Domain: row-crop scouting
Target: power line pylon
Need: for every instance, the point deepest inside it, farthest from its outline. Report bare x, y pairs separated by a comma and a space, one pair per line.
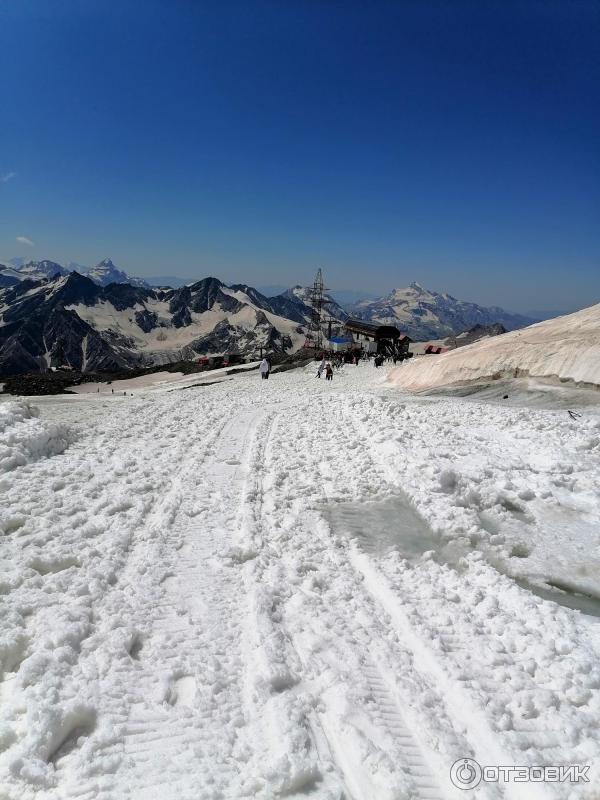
314, 335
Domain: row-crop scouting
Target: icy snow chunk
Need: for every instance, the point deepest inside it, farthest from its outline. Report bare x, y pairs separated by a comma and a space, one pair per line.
24, 437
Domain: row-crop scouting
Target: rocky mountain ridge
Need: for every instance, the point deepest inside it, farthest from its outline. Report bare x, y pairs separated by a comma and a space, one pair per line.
70, 321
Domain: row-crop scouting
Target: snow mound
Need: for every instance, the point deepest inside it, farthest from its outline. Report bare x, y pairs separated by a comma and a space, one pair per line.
25, 438
566, 348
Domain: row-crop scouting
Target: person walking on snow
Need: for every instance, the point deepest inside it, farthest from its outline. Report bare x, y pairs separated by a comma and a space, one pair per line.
265, 368
328, 372
321, 368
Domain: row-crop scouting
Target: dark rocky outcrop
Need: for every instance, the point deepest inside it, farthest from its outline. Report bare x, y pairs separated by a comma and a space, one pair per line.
474, 334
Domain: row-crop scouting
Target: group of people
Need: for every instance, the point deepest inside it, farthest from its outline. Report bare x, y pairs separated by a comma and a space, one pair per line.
325, 367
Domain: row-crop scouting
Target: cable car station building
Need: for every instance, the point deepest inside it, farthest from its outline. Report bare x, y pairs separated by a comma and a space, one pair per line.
385, 340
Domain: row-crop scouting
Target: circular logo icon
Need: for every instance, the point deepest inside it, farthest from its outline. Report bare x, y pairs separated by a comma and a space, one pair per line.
465, 773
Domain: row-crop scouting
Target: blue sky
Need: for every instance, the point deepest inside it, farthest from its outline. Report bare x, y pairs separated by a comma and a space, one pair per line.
452, 143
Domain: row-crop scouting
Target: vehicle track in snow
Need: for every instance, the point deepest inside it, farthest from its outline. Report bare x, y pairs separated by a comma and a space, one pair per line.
439, 659
196, 713
453, 663
79, 735
134, 725
291, 761
176, 659
377, 755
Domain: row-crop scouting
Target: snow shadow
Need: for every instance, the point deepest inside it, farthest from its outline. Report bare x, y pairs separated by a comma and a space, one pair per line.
542, 393
380, 527
392, 524
564, 594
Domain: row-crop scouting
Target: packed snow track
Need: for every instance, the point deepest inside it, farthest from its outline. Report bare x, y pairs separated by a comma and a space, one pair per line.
296, 588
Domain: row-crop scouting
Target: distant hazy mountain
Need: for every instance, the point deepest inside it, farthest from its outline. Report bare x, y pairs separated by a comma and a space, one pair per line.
424, 314
103, 273
41, 270
106, 272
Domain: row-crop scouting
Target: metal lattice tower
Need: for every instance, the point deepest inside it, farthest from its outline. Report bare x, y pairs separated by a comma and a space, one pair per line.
320, 316
314, 335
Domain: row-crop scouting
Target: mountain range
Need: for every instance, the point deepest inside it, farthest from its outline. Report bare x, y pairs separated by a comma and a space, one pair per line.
424, 314
72, 321
105, 320
103, 273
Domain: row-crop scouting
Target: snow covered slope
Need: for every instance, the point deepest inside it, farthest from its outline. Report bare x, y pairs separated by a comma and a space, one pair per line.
8, 276
424, 314
208, 595
567, 348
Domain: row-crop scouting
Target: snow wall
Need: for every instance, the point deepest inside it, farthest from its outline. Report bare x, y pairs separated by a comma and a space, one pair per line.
567, 348
25, 438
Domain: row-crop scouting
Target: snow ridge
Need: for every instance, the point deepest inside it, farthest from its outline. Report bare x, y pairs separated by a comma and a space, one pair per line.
566, 348
25, 438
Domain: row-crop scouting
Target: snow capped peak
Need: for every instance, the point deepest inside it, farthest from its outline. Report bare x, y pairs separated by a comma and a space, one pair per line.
106, 272
106, 266
41, 270
414, 289
103, 273
425, 314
